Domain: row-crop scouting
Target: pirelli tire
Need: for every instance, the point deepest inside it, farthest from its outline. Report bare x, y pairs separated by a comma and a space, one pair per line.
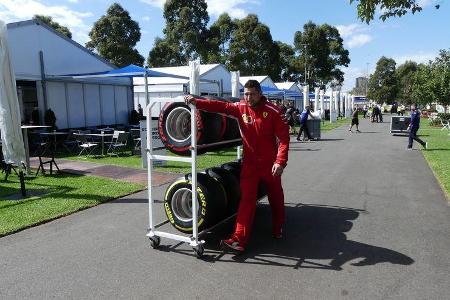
230, 129
234, 167
174, 127
178, 202
230, 184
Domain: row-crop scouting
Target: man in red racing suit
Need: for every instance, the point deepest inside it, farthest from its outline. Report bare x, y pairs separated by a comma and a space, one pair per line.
265, 137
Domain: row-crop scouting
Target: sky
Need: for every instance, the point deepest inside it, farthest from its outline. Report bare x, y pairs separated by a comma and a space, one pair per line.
417, 37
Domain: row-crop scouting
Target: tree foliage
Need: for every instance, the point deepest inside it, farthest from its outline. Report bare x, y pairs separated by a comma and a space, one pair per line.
441, 77
286, 61
219, 38
431, 82
114, 37
321, 49
421, 85
184, 35
383, 84
405, 75
55, 25
390, 8
252, 50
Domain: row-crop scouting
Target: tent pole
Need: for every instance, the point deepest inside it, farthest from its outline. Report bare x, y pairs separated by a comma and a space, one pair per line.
43, 80
146, 90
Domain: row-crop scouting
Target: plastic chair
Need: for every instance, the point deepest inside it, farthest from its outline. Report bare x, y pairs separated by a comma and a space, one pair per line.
85, 144
136, 136
71, 143
118, 142
445, 124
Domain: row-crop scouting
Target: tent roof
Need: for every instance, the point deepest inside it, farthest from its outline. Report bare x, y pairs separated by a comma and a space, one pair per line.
244, 79
128, 71
185, 71
285, 85
269, 91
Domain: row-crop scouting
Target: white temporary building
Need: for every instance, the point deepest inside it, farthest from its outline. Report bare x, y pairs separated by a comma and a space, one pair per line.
215, 79
288, 85
42, 56
264, 80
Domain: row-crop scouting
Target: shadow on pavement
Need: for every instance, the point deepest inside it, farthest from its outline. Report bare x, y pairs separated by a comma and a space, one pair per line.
370, 132
330, 140
314, 237
302, 149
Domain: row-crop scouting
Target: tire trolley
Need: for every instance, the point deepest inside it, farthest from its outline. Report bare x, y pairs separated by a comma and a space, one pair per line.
154, 233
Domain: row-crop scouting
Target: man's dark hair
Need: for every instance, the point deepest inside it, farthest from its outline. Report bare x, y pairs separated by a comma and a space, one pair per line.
253, 84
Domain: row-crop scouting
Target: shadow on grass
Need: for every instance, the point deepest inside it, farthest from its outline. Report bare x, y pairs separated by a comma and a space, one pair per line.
314, 238
437, 149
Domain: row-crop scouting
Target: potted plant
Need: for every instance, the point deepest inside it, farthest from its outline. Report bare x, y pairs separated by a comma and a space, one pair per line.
50, 119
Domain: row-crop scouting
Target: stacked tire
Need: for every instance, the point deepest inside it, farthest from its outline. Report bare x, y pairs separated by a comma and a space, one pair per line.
174, 126
218, 195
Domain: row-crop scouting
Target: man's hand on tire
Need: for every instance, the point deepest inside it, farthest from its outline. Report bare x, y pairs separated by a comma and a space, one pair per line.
189, 99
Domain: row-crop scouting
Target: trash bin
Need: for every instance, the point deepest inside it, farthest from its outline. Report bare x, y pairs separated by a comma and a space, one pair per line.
399, 124
314, 128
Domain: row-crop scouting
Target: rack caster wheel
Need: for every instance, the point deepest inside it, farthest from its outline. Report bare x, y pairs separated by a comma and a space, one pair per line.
199, 251
155, 241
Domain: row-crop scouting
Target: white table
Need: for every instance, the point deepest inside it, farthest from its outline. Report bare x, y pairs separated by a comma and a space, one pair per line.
102, 135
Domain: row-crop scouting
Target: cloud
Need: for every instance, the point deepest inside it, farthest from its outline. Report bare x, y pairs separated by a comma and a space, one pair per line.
155, 3
146, 18
421, 57
425, 3
217, 7
20, 10
359, 40
354, 35
348, 30
73, 1
232, 7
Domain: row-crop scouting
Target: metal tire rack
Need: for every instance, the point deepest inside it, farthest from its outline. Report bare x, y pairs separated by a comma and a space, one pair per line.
154, 234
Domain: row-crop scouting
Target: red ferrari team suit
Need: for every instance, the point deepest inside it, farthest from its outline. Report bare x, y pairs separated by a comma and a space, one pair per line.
265, 137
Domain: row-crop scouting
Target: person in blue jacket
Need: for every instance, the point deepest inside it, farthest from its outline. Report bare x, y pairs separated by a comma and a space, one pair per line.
303, 124
413, 127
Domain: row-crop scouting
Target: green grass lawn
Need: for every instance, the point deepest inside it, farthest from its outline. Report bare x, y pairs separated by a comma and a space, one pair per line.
204, 161
53, 196
207, 160
326, 125
438, 153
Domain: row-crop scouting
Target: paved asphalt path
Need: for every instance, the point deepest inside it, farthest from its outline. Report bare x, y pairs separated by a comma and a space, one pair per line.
365, 220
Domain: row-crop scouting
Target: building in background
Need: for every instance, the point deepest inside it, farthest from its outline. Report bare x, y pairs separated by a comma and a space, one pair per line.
41, 57
215, 79
361, 86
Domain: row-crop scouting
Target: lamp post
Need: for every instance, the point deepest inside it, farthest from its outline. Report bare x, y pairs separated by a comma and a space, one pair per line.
305, 52
367, 78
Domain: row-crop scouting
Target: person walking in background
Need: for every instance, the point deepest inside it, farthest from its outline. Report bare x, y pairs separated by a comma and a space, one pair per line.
290, 118
303, 124
380, 114
364, 111
265, 136
140, 111
414, 127
355, 120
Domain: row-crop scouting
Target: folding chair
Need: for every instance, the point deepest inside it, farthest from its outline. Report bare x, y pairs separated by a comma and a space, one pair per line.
445, 124
118, 142
85, 144
136, 136
39, 143
71, 143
